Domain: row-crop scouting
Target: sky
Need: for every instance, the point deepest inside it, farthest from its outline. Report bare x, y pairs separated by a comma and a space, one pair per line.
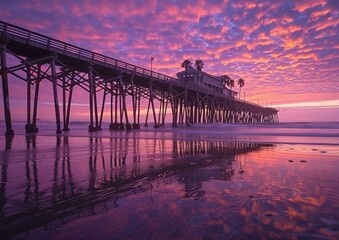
286, 51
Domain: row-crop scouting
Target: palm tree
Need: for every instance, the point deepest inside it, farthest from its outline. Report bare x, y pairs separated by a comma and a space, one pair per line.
199, 64
186, 64
231, 83
225, 80
241, 83
228, 81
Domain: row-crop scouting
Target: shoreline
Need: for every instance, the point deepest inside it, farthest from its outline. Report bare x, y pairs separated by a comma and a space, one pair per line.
265, 139
225, 133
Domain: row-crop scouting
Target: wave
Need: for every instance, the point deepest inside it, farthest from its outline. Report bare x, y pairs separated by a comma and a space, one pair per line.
296, 132
265, 129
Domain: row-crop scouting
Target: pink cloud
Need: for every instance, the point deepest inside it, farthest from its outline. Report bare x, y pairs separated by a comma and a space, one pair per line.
270, 44
303, 5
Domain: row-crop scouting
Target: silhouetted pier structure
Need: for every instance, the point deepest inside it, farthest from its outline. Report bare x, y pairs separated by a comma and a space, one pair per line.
116, 82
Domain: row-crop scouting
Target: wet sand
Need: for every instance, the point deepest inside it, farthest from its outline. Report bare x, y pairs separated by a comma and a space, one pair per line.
161, 186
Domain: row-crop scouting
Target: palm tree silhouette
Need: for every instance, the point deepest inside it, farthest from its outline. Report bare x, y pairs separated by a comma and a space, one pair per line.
199, 64
186, 64
231, 83
241, 83
228, 81
225, 79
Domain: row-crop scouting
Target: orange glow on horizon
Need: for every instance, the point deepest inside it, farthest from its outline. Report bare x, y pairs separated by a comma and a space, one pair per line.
320, 104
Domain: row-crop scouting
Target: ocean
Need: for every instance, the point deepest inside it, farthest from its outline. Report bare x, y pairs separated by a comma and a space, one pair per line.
289, 132
206, 181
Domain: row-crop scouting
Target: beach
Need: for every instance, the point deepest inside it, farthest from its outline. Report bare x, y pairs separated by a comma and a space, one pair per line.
213, 181
150, 120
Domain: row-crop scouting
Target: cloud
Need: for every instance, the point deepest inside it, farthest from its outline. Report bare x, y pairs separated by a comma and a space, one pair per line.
283, 49
319, 104
304, 5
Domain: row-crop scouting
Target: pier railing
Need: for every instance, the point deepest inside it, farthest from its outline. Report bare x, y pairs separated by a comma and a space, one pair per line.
38, 40
47, 43
25, 36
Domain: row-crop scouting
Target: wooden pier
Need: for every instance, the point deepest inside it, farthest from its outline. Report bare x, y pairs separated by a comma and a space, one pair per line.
66, 66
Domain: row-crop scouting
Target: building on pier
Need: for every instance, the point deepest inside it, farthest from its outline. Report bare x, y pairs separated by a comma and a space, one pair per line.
206, 80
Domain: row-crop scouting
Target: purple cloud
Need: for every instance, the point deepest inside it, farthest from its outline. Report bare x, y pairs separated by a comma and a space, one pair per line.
290, 48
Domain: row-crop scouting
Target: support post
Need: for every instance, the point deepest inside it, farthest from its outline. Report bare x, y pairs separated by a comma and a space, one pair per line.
97, 127
121, 124
161, 108
63, 98
35, 107
172, 101
103, 105
124, 106
69, 106
134, 103
111, 108
149, 104
164, 114
115, 125
138, 102
153, 109
69, 103
55, 93
64, 106
30, 127
36, 97
91, 128
186, 107
5, 92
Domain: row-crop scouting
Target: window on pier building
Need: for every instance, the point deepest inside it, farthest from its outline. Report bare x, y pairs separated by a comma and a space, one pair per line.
200, 78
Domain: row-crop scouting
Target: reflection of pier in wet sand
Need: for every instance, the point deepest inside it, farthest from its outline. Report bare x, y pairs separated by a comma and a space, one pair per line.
55, 192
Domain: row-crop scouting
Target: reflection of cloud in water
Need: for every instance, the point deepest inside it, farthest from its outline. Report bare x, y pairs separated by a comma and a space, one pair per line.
163, 187
61, 182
